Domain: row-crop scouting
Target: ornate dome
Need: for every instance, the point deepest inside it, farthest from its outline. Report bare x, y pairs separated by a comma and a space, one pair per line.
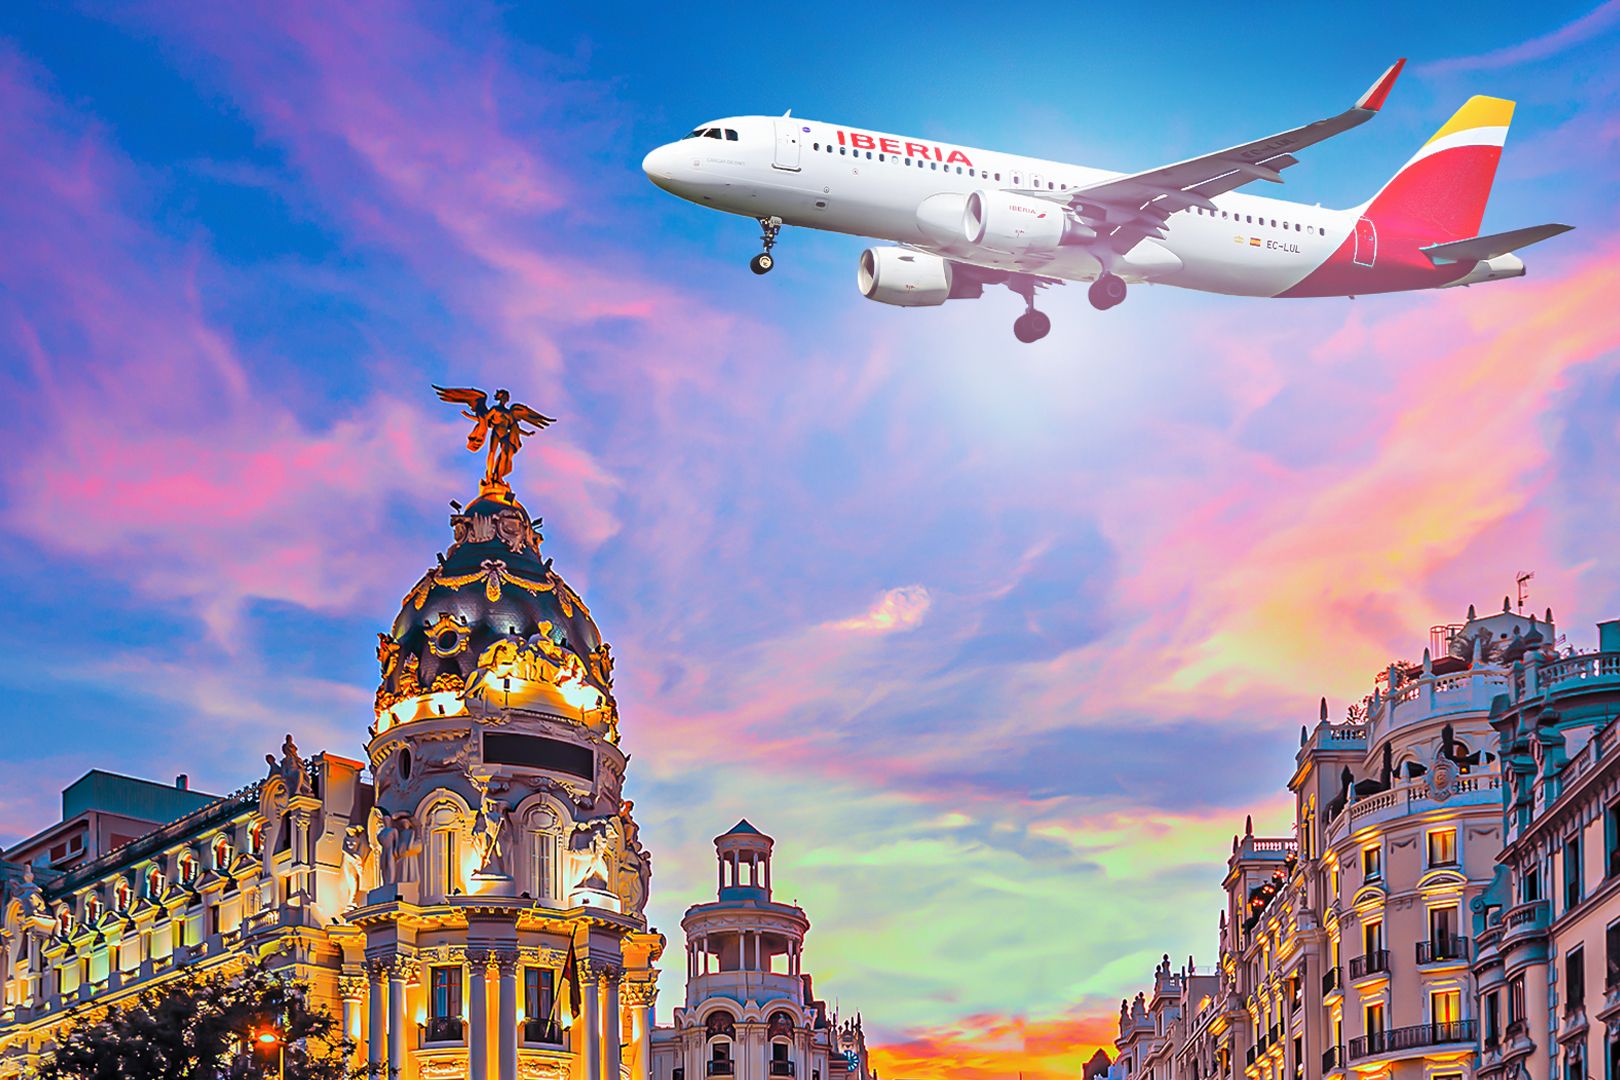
493, 607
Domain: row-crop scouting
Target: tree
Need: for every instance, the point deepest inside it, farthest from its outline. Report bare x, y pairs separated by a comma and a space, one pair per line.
197, 1027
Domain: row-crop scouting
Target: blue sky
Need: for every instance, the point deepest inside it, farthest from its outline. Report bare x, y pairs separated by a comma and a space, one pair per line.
1001, 643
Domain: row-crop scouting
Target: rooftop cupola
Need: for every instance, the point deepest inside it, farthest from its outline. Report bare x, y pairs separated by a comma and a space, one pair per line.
744, 855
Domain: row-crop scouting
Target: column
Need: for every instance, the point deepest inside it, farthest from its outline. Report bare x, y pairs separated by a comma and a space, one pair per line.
399, 974
352, 988
376, 1024
477, 1016
611, 1049
641, 996
506, 1016
589, 1042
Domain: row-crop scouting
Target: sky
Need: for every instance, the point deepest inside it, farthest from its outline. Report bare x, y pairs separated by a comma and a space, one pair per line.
1000, 642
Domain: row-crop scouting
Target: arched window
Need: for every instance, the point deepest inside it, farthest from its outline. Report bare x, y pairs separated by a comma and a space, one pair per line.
720, 1029
122, 894
154, 883
222, 852
444, 854
188, 868
92, 908
540, 854
256, 838
64, 922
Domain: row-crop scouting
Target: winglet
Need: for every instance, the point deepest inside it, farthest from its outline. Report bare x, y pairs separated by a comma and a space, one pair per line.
1373, 99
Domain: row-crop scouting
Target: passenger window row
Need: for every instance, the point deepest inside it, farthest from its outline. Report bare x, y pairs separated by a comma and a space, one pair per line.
844, 151
1249, 219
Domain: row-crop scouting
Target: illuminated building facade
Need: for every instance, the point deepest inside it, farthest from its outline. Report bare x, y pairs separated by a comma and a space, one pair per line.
433, 904
1344, 948
1547, 930
750, 1011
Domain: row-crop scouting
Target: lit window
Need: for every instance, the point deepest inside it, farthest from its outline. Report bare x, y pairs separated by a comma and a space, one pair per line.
1372, 863
1443, 847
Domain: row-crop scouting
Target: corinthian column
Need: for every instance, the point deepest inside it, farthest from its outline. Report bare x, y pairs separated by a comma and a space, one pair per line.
610, 1024
506, 1016
352, 989
590, 1037
640, 997
399, 976
376, 983
477, 1016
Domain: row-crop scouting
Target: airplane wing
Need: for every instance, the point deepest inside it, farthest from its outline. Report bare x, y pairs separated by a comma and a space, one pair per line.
1126, 209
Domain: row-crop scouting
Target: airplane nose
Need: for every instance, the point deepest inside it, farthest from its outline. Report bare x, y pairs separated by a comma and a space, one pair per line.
659, 164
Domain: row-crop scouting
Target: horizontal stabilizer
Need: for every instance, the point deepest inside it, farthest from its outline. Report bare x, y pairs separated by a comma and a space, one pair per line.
1480, 248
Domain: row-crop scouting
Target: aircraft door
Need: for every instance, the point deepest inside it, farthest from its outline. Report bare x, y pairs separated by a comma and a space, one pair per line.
1366, 243
787, 144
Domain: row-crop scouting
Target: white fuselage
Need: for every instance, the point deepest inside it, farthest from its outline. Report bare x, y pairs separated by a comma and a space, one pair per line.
913, 192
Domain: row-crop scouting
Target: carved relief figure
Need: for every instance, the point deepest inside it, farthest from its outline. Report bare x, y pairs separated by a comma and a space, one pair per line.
491, 835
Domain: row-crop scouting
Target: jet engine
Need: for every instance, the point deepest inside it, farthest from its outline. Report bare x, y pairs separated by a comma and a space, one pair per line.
1002, 221
904, 278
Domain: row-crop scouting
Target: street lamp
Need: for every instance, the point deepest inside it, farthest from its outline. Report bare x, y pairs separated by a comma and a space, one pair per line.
267, 1038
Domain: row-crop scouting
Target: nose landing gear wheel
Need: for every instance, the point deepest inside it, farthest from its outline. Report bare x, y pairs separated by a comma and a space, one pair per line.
1031, 326
1107, 291
768, 228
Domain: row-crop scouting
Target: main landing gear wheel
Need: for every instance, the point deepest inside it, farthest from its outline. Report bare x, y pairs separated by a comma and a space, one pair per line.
1107, 291
768, 228
1031, 326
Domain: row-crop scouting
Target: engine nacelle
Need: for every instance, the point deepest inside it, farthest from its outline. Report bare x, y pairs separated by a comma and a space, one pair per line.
1001, 221
904, 278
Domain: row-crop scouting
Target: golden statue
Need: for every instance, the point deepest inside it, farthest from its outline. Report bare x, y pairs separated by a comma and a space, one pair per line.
501, 423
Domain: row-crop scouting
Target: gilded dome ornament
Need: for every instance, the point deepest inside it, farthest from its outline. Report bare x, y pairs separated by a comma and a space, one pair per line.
500, 426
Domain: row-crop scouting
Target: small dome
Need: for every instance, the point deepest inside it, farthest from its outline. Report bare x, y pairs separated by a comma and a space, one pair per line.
492, 585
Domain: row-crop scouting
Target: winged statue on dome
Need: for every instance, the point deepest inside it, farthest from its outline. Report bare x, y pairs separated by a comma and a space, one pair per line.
500, 425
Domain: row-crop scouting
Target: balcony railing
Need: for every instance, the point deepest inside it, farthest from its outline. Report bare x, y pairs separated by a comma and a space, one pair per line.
444, 1029
719, 1067
1415, 1037
1333, 1059
1332, 979
545, 1032
1444, 948
781, 1068
1517, 1027
1371, 964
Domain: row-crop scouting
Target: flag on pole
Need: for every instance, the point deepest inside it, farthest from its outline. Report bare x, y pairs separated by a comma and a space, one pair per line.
570, 978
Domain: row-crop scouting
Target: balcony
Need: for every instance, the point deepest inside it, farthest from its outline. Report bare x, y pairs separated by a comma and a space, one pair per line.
1374, 963
542, 1032
1332, 980
1442, 949
1526, 921
1518, 1028
720, 1067
1416, 1037
1333, 1059
444, 1029
781, 1068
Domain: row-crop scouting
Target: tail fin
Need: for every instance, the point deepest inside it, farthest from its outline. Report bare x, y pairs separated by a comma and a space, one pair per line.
1440, 194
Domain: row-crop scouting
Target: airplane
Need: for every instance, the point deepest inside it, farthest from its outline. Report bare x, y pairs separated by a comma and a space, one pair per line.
962, 218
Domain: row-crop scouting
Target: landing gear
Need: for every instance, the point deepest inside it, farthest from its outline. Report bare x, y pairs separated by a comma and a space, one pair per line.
768, 227
1107, 291
1031, 326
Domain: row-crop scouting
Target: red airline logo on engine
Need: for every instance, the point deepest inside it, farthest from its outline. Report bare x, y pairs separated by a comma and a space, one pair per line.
889, 145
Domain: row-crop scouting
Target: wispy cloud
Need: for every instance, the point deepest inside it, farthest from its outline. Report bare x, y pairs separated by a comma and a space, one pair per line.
897, 609
1594, 24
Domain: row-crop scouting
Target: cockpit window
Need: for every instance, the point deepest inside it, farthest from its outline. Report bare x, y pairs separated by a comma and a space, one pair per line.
712, 133
693, 135
731, 135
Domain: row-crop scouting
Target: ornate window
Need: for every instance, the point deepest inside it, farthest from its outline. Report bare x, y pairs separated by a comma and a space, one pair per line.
444, 856
122, 894
540, 854
222, 852
188, 868
92, 908
256, 838
154, 883
64, 922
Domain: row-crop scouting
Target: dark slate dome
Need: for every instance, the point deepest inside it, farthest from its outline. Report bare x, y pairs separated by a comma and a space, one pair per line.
491, 584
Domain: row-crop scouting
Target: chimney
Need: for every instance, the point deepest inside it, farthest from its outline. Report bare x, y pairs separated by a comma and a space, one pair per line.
183, 782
